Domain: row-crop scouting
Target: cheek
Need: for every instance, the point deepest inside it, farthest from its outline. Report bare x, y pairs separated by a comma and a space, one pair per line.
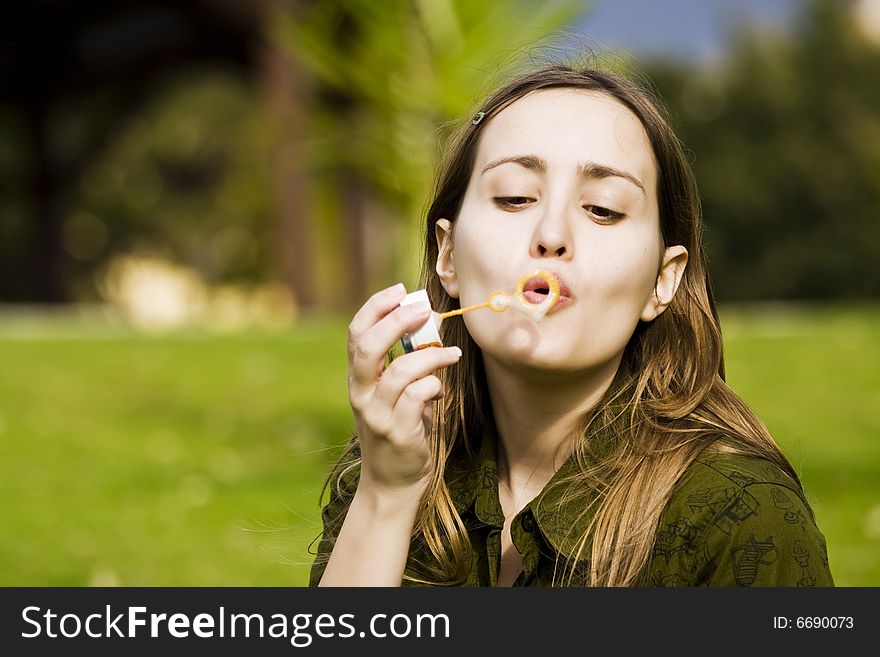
628, 269
635, 283
480, 264
623, 283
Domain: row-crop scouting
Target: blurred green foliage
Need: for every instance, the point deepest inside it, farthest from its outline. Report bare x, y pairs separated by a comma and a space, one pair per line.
310, 167
394, 73
184, 181
785, 137
388, 82
197, 460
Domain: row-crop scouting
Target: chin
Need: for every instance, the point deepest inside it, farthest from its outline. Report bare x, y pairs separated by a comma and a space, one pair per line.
519, 352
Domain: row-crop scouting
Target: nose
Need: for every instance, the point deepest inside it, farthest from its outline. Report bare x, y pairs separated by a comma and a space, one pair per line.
552, 237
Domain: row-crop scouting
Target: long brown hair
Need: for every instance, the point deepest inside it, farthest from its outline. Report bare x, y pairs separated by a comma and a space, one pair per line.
667, 403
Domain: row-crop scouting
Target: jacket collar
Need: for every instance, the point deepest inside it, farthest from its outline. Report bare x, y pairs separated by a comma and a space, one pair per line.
473, 485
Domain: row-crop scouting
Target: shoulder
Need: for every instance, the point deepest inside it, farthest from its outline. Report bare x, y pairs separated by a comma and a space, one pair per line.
738, 520
721, 475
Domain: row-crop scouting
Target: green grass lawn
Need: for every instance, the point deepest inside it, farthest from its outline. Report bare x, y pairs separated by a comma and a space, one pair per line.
197, 459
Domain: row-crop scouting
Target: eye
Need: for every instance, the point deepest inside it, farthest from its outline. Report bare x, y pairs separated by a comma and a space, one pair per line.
603, 215
512, 202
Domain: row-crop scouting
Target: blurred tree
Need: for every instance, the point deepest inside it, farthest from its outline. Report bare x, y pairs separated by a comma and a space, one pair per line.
786, 142
135, 126
307, 156
74, 74
186, 181
388, 77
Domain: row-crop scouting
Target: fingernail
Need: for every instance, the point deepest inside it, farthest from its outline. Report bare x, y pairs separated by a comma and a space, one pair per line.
455, 351
420, 309
398, 288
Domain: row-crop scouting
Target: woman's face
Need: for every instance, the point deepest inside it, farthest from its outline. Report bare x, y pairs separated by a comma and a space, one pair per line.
564, 180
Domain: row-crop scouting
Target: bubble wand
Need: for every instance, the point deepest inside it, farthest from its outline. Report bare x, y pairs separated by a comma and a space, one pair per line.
428, 335
498, 301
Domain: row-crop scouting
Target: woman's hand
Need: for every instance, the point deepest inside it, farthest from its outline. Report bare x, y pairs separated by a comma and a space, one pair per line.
393, 406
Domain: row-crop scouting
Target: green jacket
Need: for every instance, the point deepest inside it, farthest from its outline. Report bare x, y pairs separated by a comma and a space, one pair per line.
731, 521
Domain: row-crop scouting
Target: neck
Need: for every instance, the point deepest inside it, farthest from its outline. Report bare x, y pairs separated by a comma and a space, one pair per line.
535, 415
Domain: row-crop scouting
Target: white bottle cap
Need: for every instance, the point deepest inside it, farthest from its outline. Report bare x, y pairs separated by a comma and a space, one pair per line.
428, 334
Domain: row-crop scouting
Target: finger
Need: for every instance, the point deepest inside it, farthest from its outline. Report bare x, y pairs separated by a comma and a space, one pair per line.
411, 367
408, 418
367, 354
375, 308
403, 371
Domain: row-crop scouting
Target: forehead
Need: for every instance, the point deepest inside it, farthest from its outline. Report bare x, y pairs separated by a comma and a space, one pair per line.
567, 127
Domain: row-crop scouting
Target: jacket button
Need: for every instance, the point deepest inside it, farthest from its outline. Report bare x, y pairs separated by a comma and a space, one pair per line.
528, 522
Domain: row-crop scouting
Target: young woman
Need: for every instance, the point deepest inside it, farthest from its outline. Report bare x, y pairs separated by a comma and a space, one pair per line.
597, 447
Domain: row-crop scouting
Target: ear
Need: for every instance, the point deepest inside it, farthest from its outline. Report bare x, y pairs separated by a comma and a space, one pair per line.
668, 279
445, 266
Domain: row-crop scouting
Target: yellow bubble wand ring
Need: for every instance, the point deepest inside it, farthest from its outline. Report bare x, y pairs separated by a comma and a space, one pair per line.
498, 301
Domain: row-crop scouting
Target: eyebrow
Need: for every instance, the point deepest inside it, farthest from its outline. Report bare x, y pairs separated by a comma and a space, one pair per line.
585, 169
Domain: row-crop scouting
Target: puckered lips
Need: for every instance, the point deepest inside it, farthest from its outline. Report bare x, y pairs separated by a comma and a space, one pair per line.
536, 290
